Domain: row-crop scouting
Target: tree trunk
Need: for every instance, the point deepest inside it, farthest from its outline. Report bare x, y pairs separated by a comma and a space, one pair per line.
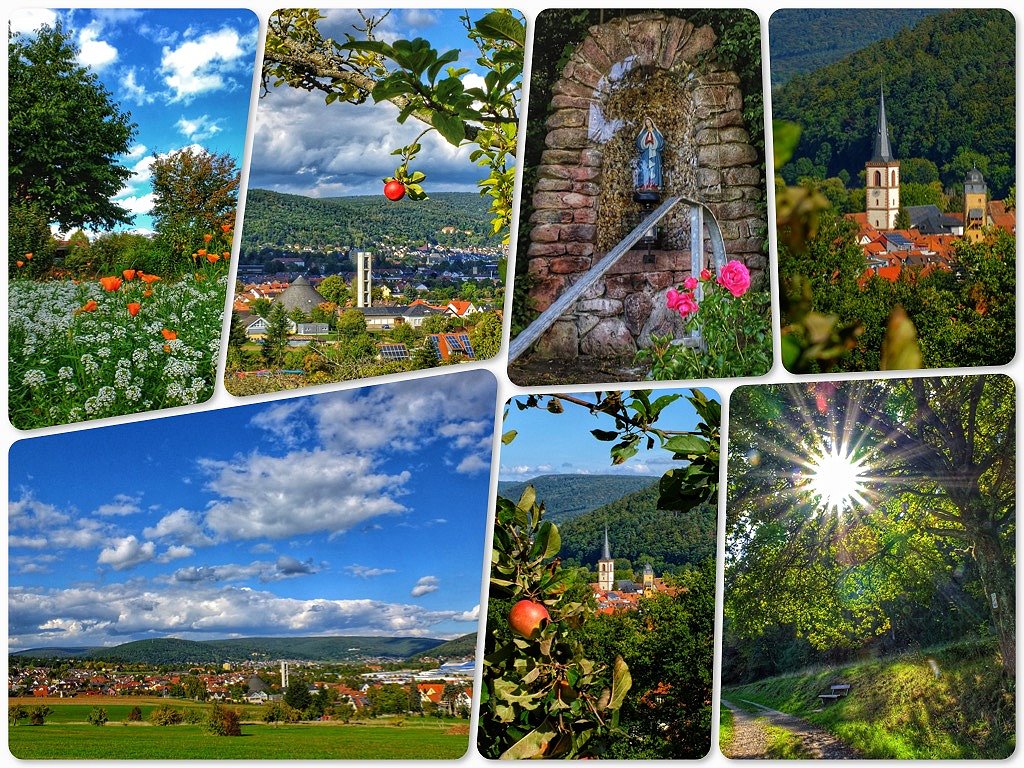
997, 579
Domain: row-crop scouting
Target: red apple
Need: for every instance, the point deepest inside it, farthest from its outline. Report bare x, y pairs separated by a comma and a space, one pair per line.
528, 618
394, 190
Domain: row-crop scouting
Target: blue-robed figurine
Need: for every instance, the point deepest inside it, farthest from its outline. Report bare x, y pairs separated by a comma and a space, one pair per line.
649, 142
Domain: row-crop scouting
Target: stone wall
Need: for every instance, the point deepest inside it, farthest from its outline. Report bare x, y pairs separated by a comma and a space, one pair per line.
647, 65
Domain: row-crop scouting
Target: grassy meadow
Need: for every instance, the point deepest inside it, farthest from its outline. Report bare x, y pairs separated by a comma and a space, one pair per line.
67, 735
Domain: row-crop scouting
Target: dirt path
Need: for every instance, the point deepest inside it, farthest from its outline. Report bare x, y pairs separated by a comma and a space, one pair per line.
749, 739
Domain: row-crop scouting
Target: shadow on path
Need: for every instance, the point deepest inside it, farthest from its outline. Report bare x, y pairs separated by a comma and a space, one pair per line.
750, 741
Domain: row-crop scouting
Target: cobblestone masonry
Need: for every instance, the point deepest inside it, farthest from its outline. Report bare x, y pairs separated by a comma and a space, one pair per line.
651, 65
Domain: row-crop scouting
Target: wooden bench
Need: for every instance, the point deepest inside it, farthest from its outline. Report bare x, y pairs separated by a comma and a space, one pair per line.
835, 692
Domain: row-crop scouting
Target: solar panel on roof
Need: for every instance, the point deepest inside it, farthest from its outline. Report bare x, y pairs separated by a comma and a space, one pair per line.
464, 340
394, 352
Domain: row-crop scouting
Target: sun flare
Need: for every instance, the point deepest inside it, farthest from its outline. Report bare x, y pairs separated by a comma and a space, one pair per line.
836, 481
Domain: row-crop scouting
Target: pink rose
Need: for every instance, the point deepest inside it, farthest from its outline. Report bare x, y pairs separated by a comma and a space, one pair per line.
690, 283
683, 303
705, 274
735, 278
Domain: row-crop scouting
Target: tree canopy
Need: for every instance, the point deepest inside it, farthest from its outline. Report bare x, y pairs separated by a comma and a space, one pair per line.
65, 134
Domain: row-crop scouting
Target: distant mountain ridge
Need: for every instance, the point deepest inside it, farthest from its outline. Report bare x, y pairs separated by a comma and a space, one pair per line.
172, 650
567, 496
277, 220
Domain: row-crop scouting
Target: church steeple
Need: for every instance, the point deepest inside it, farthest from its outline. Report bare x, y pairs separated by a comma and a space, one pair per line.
606, 553
606, 567
882, 176
883, 151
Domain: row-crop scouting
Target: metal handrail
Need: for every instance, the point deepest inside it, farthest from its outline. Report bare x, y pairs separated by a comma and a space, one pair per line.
572, 294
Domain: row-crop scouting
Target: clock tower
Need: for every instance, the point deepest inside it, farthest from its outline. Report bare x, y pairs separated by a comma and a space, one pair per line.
882, 179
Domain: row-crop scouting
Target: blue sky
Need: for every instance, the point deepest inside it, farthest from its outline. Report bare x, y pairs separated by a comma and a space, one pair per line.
184, 75
303, 146
358, 512
549, 443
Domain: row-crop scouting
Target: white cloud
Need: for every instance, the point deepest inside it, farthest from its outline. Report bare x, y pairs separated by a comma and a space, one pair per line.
284, 568
298, 493
425, 586
127, 552
199, 128
284, 421
472, 615
365, 572
136, 205
113, 613
26, 20
180, 526
28, 513
175, 552
473, 464
134, 91
93, 52
122, 504
201, 65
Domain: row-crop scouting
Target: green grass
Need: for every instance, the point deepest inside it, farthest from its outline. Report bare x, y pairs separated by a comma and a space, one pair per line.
726, 729
783, 744
899, 709
426, 739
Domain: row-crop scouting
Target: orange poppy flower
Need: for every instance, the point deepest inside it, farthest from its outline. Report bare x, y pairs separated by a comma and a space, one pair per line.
213, 258
147, 293
207, 237
201, 251
169, 335
167, 348
149, 279
89, 306
110, 283
28, 256
225, 228
20, 263
129, 274
226, 255
133, 308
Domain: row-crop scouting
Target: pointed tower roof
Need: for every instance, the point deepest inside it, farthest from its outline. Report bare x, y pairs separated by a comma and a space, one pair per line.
883, 152
606, 553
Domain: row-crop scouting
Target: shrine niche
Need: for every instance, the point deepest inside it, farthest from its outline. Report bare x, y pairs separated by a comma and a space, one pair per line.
641, 111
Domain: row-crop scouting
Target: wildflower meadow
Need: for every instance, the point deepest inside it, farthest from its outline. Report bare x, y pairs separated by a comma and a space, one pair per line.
115, 344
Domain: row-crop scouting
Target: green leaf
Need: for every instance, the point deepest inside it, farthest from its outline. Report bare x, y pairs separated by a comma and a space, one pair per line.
622, 681
534, 744
509, 436
502, 26
786, 136
687, 444
528, 498
604, 434
450, 127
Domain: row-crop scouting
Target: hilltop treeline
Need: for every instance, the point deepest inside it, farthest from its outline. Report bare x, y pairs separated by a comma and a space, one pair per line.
277, 220
950, 96
566, 496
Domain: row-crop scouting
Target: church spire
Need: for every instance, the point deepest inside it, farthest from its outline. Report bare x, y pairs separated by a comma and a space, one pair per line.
606, 553
883, 152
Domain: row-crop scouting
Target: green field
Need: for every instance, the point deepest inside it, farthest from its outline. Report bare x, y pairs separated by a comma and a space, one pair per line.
67, 735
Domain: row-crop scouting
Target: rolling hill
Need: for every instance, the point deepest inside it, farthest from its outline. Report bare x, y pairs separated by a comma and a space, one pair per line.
566, 496
172, 650
275, 220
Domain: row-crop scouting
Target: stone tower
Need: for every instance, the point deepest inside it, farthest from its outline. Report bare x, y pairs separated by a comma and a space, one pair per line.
648, 578
364, 278
882, 179
606, 567
975, 205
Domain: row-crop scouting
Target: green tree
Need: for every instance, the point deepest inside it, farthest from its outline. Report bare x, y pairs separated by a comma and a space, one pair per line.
333, 289
195, 688
439, 323
297, 695
65, 133
16, 713
260, 306
280, 712
38, 714
224, 721
195, 193
275, 342
98, 716
486, 336
134, 715
351, 324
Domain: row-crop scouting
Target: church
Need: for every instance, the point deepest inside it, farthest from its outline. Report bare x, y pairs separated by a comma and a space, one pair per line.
615, 595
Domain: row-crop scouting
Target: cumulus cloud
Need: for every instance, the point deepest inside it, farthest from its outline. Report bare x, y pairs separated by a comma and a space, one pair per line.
182, 527
29, 513
471, 615
284, 421
26, 20
365, 572
472, 464
284, 568
127, 552
114, 613
92, 51
133, 90
176, 552
201, 65
301, 492
425, 586
122, 505
198, 128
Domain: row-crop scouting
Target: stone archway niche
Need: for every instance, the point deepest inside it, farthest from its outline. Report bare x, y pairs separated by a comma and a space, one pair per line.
646, 65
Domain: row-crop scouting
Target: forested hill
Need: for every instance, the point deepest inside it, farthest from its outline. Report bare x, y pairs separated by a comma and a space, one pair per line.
805, 39
172, 650
566, 496
277, 220
949, 88
639, 531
